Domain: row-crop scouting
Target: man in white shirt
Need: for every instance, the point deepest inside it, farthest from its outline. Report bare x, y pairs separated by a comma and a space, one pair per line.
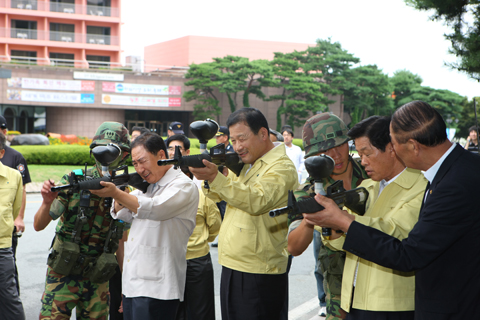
163, 219
293, 152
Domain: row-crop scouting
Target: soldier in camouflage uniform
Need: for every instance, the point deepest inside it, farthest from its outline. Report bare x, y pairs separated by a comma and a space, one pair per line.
65, 292
326, 134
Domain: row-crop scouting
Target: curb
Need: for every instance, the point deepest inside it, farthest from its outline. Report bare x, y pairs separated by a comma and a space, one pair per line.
33, 187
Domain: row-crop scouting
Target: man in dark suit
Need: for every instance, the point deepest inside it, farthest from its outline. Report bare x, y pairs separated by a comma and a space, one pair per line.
443, 247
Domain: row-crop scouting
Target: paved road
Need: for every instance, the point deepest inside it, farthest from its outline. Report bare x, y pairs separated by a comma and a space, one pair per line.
34, 246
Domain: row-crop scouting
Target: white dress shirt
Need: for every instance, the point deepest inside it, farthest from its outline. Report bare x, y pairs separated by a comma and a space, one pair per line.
432, 171
154, 265
385, 183
296, 155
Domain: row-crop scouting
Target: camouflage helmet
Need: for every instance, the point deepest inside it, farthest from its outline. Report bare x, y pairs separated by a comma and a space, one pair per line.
112, 132
322, 132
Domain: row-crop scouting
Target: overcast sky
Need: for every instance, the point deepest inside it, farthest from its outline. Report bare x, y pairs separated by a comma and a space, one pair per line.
382, 32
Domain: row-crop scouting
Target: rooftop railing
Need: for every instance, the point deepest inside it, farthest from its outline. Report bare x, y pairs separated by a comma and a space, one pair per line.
67, 8
158, 70
33, 34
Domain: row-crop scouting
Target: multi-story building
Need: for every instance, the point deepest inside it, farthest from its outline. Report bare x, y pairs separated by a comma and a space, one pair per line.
47, 45
198, 49
78, 33
66, 74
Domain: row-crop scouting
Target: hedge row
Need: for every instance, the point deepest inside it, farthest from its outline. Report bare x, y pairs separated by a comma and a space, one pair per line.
78, 155
56, 154
63, 154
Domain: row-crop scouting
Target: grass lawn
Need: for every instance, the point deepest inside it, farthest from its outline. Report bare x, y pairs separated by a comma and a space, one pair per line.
40, 173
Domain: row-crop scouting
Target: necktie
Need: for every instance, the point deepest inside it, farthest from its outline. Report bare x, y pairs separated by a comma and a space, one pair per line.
426, 192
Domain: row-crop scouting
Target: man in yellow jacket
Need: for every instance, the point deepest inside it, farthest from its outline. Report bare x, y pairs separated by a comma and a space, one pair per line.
252, 246
395, 197
11, 190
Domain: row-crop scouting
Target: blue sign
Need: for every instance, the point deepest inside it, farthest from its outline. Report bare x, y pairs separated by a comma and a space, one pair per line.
87, 98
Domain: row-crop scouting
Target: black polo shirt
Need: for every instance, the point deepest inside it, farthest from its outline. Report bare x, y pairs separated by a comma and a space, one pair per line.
14, 159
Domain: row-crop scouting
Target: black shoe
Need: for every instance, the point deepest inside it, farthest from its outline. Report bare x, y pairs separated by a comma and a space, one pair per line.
215, 244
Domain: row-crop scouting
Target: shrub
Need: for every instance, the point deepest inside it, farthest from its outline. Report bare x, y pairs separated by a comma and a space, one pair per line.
298, 142
69, 154
56, 154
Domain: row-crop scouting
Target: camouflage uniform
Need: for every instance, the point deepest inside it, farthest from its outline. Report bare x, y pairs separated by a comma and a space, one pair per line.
320, 133
65, 292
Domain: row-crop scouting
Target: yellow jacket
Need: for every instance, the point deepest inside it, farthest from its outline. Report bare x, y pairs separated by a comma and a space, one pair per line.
395, 212
11, 192
250, 241
206, 229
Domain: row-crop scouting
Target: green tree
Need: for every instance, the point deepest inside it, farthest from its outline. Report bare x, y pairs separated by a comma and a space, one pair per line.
467, 117
203, 80
330, 63
323, 67
369, 93
448, 103
303, 98
300, 94
238, 74
465, 38
404, 82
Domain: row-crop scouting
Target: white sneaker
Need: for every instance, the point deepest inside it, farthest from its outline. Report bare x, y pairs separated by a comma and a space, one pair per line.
322, 312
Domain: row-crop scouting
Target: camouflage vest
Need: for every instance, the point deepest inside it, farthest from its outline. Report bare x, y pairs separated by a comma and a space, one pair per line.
94, 232
332, 262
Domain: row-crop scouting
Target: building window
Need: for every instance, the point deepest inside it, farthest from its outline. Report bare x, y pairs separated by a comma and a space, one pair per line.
98, 62
24, 4
98, 35
24, 29
67, 6
39, 124
99, 7
62, 32
26, 57
62, 59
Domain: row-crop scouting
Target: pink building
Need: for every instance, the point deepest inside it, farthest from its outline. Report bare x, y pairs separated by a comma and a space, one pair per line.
184, 51
66, 75
79, 33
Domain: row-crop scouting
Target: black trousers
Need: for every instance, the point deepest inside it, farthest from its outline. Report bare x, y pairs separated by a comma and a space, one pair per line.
14, 248
11, 307
199, 298
115, 289
143, 308
357, 314
253, 296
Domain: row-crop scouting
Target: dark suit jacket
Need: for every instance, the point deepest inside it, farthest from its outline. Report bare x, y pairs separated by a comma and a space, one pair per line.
443, 247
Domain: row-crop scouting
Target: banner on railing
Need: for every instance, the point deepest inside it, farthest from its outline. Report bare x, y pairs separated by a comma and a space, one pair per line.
134, 88
51, 84
98, 76
55, 97
140, 101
